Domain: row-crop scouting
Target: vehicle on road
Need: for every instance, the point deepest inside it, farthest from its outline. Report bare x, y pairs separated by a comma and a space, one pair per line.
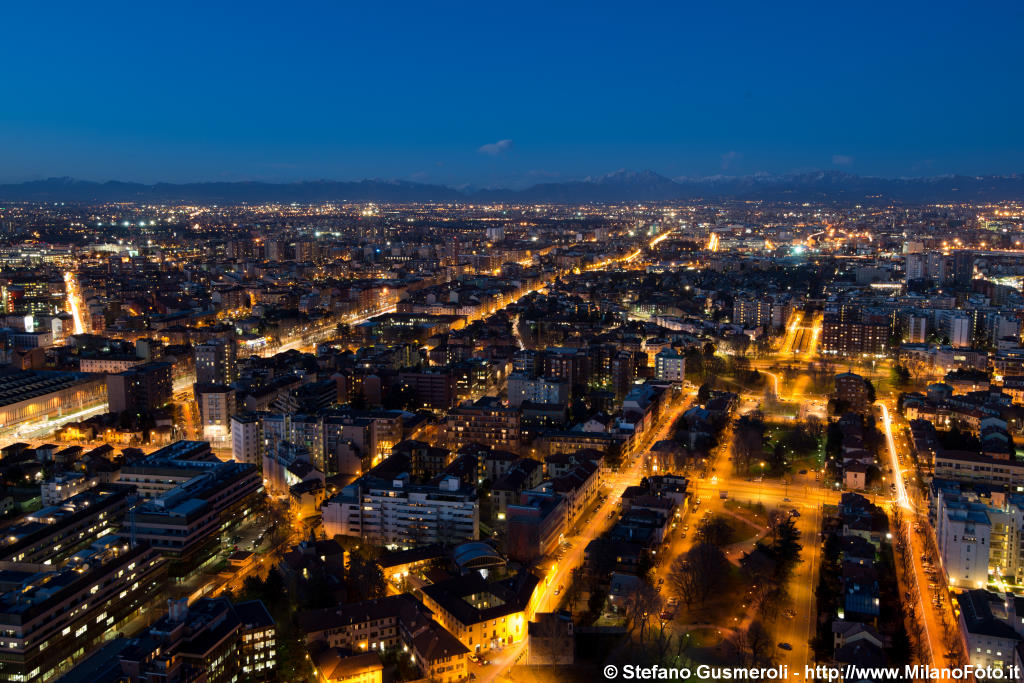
723, 494
794, 513
785, 646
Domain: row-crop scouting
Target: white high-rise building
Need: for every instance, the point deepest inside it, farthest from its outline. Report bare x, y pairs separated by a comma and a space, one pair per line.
917, 329
521, 388
916, 267
400, 514
961, 330
247, 438
669, 366
963, 532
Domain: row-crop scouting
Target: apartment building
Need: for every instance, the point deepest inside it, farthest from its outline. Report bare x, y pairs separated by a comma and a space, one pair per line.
981, 469
65, 485
853, 338
213, 640
486, 421
216, 362
144, 387
536, 390
963, 532
669, 366
395, 512
482, 615
52, 534
752, 312
216, 406
192, 501
380, 626
52, 619
108, 364
991, 628
247, 438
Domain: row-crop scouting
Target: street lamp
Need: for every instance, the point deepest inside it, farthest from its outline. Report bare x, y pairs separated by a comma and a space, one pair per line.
760, 481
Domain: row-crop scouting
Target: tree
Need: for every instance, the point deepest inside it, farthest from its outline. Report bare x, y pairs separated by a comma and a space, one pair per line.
641, 606
740, 343
785, 546
799, 440
277, 524
595, 602
814, 426
896, 338
575, 590
273, 586
366, 580
747, 440
770, 597
695, 575
833, 439
751, 646
899, 649
714, 530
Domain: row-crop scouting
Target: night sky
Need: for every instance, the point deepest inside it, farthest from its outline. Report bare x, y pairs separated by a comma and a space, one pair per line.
507, 93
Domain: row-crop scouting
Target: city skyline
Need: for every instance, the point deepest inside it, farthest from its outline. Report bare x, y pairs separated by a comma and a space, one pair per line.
437, 437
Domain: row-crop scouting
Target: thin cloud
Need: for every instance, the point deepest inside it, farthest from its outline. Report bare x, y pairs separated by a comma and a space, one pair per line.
729, 157
494, 149
842, 159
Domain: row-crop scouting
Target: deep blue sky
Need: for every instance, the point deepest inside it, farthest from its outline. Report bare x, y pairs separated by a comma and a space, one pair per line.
507, 93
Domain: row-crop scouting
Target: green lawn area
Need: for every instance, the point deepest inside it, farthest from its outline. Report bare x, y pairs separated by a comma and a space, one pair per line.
739, 530
811, 455
755, 513
704, 646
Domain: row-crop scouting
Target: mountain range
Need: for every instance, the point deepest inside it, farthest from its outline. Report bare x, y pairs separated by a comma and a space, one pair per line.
621, 186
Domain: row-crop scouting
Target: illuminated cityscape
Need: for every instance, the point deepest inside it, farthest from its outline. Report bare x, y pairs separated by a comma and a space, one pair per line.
368, 433
333, 350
